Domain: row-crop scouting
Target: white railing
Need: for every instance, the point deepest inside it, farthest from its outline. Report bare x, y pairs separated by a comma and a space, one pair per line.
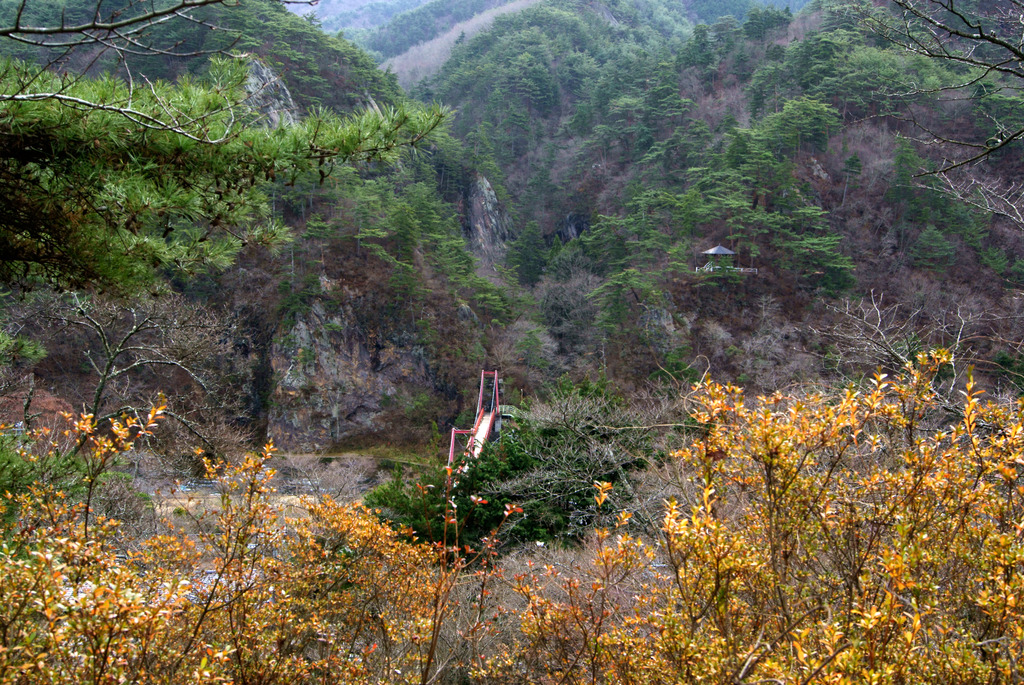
711, 266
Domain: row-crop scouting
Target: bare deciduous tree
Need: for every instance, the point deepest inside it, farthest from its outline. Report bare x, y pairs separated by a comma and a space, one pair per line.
162, 350
579, 438
983, 38
870, 335
984, 43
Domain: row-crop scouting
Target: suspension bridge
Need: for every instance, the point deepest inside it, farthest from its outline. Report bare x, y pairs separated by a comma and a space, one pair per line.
488, 420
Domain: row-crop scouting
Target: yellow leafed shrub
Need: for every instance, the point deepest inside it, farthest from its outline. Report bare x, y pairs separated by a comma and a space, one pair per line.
869, 536
333, 595
837, 539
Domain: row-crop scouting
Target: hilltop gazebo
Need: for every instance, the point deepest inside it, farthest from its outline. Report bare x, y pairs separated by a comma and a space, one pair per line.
717, 252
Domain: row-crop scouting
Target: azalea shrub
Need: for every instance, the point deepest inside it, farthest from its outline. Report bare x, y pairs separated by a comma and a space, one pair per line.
242, 594
868, 535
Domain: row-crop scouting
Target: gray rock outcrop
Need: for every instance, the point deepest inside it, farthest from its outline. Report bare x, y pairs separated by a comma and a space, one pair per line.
335, 380
572, 227
487, 227
269, 96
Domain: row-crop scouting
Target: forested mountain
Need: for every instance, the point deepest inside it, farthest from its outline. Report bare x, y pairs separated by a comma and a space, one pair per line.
625, 140
347, 242
629, 149
355, 15
223, 227
434, 18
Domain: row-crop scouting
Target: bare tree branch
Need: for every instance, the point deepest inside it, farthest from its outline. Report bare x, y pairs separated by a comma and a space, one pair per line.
870, 335
984, 46
136, 350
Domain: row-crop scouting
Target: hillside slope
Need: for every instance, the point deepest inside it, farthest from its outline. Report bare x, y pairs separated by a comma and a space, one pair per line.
629, 151
367, 322
625, 142
436, 18
426, 58
355, 15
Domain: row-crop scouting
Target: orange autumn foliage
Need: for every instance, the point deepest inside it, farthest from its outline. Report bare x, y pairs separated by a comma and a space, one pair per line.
869, 536
333, 595
835, 539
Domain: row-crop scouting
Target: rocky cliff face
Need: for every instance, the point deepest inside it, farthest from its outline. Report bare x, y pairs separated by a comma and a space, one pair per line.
572, 227
269, 96
486, 225
336, 380
347, 371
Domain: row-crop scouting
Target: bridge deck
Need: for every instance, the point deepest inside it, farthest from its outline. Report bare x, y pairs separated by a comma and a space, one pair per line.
488, 409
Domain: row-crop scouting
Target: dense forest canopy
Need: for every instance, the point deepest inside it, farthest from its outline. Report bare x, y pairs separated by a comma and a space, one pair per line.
624, 139
427, 20
569, 101
155, 179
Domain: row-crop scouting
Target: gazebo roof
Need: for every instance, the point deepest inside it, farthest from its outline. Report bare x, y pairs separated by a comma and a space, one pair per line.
718, 250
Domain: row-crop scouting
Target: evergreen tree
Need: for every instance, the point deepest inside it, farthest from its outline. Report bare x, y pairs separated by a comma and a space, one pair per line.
106, 182
931, 250
527, 255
